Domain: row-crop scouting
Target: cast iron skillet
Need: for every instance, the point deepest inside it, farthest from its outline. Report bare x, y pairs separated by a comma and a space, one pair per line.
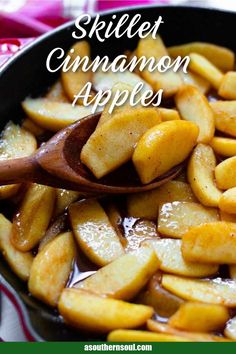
26, 74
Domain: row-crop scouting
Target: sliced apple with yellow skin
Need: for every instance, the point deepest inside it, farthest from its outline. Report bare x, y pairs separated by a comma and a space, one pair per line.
73, 82
124, 277
31, 221
15, 142
200, 317
224, 146
164, 328
105, 149
168, 114
228, 201
225, 116
122, 335
87, 311
146, 204
193, 106
176, 218
168, 252
210, 243
174, 141
228, 86
225, 173
169, 81
203, 67
94, 233
221, 57
53, 115
214, 291
51, 269
201, 175
20, 262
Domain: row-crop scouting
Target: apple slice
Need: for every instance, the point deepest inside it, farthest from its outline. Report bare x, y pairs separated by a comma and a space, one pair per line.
193, 106
20, 262
213, 243
215, 291
176, 218
51, 269
94, 232
124, 277
122, 335
53, 115
31, 221
90, 312
169, 253
201, 175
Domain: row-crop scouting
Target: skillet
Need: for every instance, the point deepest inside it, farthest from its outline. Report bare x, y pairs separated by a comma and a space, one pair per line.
26, 74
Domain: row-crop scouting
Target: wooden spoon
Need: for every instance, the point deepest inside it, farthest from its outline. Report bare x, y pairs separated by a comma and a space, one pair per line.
57, 163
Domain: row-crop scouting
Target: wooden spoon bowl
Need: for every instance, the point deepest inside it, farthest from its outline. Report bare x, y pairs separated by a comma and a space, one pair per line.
65, 148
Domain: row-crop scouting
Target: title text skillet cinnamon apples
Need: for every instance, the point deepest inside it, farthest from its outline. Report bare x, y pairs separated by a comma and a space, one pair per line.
125, 26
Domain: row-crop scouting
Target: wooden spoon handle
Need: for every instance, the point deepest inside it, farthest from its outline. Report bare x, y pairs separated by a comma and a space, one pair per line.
17, 170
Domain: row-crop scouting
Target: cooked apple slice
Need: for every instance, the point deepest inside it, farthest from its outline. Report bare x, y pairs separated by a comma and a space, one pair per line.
201, 175
169, 81
176, 218
203, 67
57, 93
232, 272
106, 80
168, 252
53, 115
105, 149
15, 142
195, 80
122, 335
200, 317
64, 198
20, 262
230, 329
124, 277
168, 114
106, 115
32, 220
51, 269
225, 173
73, 82
220, 56
215, 291
225, 116
94, 232
164, 328
193, 106
228, 201
90, 312
211, 243
224, 146
173, 140
228, 86
146, 204
164, 303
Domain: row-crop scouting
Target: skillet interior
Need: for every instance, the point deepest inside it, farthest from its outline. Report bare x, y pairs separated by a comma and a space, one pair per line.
27, 75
